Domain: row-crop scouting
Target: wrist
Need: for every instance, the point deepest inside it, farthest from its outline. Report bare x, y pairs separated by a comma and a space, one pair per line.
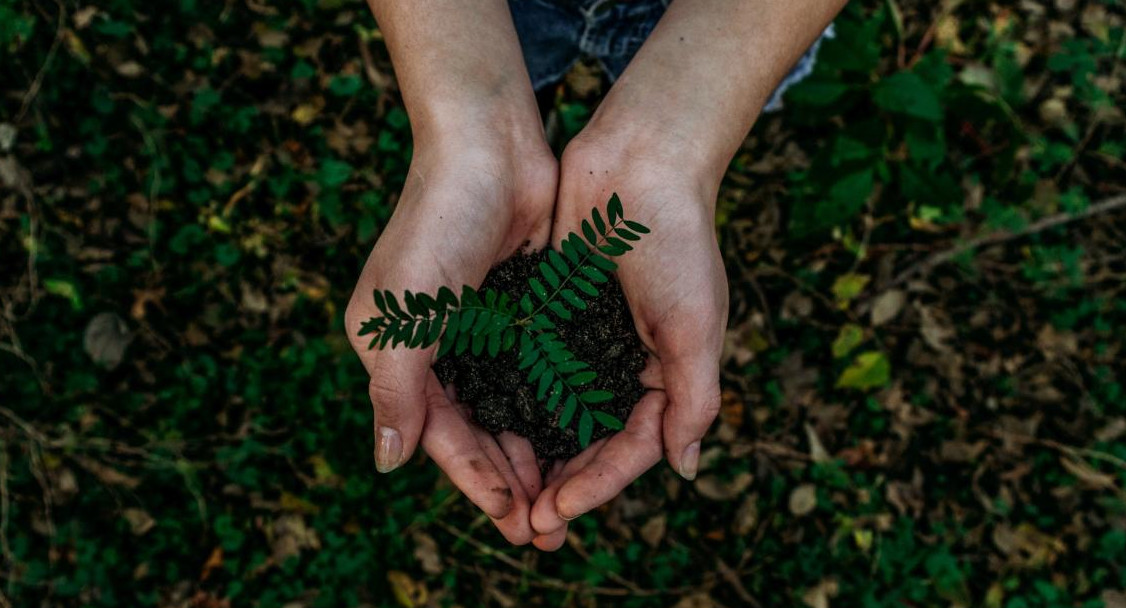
667, 142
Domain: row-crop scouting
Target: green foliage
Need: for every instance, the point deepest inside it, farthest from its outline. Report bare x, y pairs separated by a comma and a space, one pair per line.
488, 323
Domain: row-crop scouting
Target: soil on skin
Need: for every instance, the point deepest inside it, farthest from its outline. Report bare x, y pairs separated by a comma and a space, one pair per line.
497, 393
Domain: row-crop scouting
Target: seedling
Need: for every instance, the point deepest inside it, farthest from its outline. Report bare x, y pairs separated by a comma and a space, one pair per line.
487, 322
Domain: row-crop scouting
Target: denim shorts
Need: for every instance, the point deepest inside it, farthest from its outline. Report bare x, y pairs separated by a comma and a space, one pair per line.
556, 33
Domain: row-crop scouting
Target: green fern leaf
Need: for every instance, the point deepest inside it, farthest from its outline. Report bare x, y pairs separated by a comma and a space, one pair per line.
412, 304
388, 333
569, 407
538, 289
526, 304
570, 251
581, 378
637, 227
585, 287
603, 263
614, 208
484, 318
594, 274
607, 420
568, 367
559, 309
371, 326
612, 250
596, 396
558, 262
560, 356
598, 221
555, 397
467, 319
435, 328
586, 428
508, 340
537, 370
573, 299
494, 345
626, 234
549, 275
589, 233
578, 244
379, 302
544, 384
469, 296
462, 343
541, 322
477, 344
393, 304
446, 297
619, 243
427, 303
420, 333
449, 339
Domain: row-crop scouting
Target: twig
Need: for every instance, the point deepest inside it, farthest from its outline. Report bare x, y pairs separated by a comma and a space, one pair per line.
554, 583
1060, 219
37, 82
4, 514
732, 579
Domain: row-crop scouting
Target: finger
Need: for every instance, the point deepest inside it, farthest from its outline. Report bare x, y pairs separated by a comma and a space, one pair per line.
514, 526
397, 391
545, 517
690, 367
522, 459
397, 386
450, 441
627, 454
551, 542
652, 377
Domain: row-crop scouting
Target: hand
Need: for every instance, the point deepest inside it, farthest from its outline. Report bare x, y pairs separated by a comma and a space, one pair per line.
469, 202
676, 287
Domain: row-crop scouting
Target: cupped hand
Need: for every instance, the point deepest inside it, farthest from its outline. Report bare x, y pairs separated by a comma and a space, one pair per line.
676, 287
467, 204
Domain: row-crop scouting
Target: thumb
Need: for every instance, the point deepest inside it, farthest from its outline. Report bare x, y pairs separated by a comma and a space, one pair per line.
397, 388
691, 374
398, 394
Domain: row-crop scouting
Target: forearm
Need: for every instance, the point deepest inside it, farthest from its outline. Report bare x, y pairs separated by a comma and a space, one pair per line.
458, 63
701, 79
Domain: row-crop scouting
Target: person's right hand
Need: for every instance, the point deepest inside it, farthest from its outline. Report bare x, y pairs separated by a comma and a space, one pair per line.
471, 199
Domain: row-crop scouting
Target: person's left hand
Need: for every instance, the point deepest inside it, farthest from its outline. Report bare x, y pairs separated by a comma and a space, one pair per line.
676, 287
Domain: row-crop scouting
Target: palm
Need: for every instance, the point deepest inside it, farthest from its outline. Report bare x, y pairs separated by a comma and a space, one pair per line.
677, 292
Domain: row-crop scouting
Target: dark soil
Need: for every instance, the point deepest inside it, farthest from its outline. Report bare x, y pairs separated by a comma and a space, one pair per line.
498, 394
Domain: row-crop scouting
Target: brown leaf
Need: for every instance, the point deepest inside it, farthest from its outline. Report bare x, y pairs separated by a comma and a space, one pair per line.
818, 597
803, 499
712, 487
426, 552
1113, 599
140, 522
817, 450
106, 338
746, 516
1087, 474
653, 532
887, 306
408, 592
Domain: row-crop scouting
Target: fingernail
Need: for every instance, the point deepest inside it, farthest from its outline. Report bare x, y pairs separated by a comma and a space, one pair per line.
571, 518
690, 461
388, 450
